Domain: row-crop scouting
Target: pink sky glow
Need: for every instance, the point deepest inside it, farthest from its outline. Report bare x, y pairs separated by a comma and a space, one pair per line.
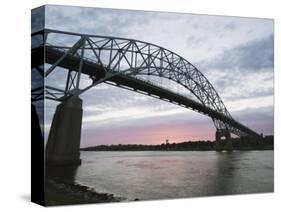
149, 135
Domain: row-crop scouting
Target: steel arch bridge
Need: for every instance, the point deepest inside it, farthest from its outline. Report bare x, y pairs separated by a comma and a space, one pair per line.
122, 62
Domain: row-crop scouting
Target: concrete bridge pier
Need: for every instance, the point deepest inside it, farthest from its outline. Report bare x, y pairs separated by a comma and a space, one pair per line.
63, 147
218, 142
223, 144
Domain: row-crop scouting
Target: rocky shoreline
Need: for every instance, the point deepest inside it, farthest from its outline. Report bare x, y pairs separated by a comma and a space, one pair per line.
64, 193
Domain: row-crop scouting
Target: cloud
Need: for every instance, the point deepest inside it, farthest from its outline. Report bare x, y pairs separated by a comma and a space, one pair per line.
252, 56
195, 37
238, 85
244, 71
259, 119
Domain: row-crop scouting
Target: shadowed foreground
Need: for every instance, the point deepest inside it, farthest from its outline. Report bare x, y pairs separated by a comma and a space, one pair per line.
61, 188
63, 193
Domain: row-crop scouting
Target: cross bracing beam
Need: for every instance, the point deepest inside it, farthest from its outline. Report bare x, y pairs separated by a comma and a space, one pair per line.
121, 61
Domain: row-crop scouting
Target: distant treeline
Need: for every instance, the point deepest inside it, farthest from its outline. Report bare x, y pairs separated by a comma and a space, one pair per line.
237, 143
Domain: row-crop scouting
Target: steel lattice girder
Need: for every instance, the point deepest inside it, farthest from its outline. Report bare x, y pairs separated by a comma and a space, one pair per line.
104, 58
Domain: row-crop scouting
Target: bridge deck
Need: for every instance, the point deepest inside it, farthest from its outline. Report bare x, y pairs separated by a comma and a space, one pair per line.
92, 69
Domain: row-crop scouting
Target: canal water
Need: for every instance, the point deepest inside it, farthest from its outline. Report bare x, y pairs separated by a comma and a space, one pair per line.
176, 174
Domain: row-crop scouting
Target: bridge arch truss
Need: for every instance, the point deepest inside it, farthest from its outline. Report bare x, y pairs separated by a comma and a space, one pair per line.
128, 58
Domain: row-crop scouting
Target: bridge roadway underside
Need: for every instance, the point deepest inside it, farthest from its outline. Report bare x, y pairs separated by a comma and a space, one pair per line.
95, 70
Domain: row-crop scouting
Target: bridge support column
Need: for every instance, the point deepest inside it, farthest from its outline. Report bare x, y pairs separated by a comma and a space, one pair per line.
63, 147
225, 144
228, 142
218, 142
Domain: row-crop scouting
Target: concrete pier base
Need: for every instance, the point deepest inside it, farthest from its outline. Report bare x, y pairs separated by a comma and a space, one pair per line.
218, 142
63, 147
225, 144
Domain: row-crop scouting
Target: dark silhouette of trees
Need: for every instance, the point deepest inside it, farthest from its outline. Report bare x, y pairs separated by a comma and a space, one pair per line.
244, 143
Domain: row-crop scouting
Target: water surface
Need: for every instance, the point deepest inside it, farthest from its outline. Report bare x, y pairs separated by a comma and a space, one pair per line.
176, 174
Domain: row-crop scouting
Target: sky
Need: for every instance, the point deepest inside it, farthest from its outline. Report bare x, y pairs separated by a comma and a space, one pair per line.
235, 54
